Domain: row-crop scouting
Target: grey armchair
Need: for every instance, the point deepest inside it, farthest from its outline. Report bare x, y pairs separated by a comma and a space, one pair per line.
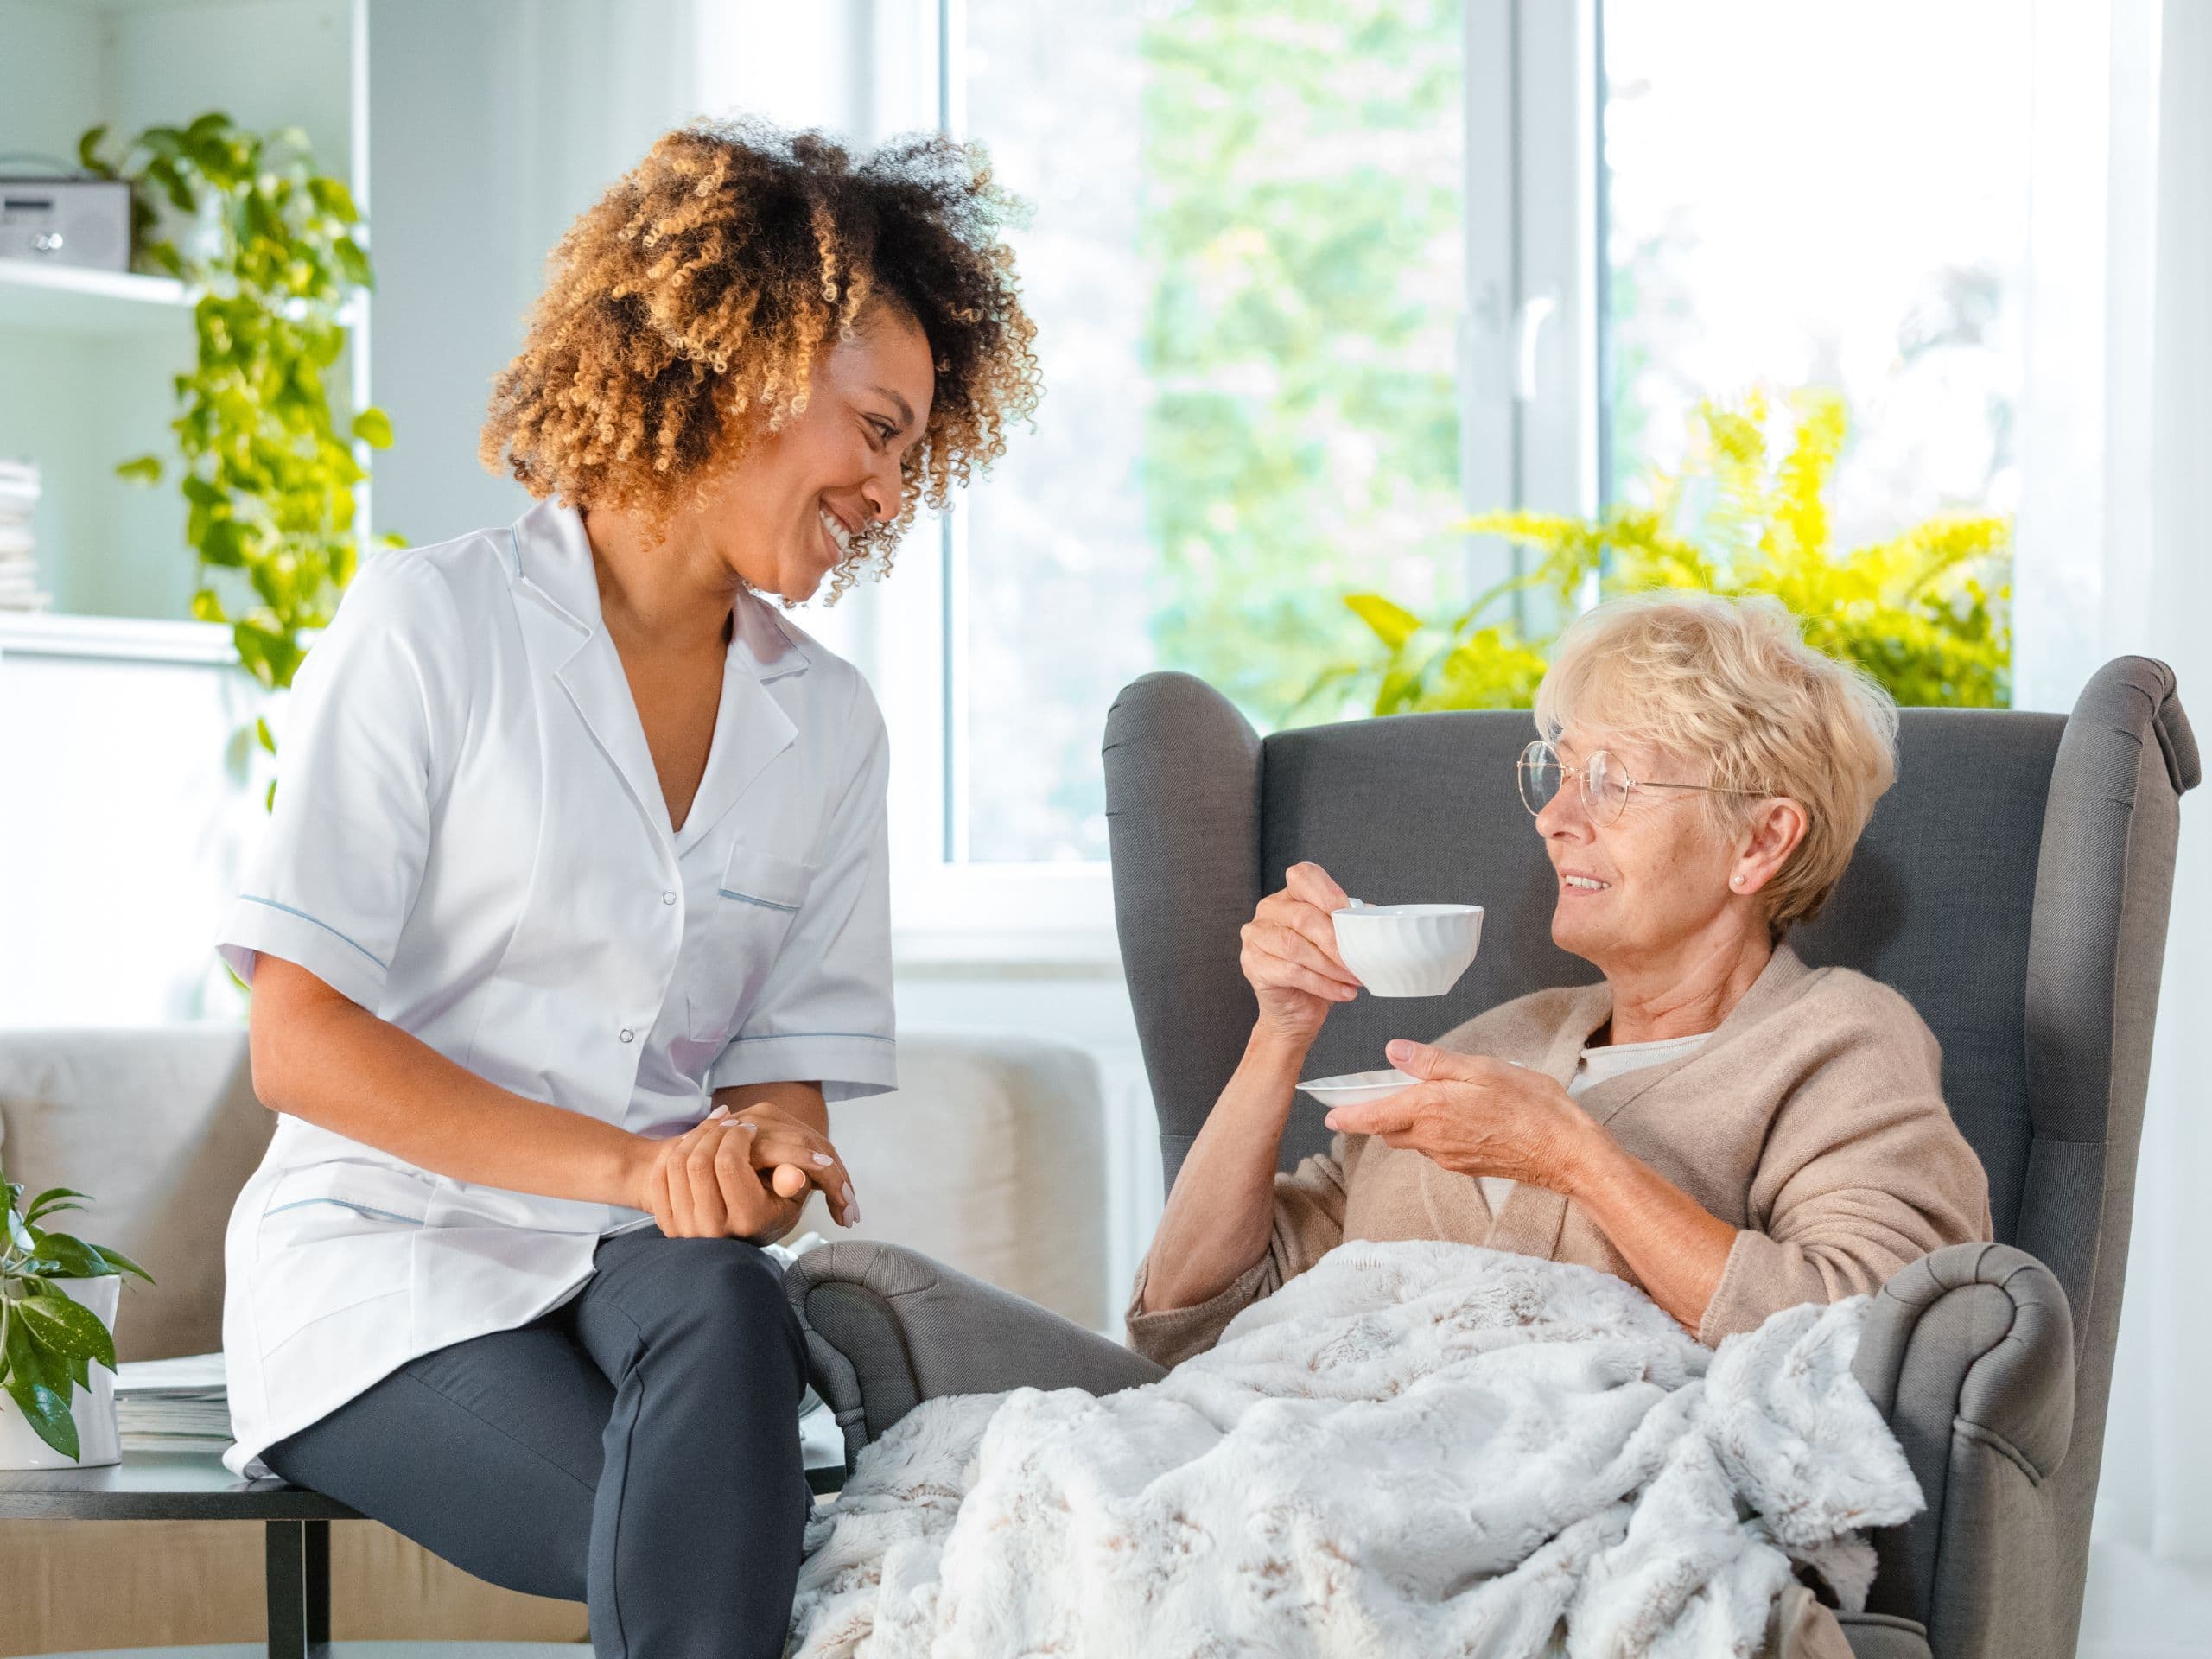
2015, 885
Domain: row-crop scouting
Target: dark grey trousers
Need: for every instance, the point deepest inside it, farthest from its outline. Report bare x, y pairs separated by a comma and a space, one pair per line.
636, 1449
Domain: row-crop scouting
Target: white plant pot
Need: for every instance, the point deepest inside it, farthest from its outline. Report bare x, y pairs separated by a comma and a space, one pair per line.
93, 1408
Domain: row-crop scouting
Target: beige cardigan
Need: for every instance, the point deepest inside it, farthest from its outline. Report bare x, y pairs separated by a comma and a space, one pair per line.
1812, 1122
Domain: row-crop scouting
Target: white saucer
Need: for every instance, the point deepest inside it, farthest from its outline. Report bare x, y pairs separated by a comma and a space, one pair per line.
1352, 1086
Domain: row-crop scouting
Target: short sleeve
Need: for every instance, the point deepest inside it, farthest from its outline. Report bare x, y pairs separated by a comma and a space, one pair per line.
372, 724
824, 1013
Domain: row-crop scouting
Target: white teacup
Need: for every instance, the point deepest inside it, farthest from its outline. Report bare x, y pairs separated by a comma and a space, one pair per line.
1408, 949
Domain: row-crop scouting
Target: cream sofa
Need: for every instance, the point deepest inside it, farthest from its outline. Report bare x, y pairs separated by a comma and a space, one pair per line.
990, 1158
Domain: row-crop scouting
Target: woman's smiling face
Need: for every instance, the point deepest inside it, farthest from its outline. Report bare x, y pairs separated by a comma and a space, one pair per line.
1637, 890
787, 512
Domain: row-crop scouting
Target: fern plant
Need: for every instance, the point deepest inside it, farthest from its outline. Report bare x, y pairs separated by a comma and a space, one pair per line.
1927, 612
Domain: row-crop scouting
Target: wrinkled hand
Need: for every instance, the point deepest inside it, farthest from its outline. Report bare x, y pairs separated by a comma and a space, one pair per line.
1475, 1115
744, 1174
1288, 953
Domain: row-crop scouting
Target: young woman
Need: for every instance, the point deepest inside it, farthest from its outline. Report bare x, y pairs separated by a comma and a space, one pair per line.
571, 919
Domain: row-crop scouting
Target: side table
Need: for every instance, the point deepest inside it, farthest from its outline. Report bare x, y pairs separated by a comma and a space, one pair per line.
182, 1485
194, 1486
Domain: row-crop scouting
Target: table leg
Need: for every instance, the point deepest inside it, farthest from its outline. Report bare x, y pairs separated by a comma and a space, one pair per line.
297, 1567
315, 1538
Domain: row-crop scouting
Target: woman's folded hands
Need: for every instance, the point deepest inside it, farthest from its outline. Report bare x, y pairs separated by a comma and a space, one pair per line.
744, 1174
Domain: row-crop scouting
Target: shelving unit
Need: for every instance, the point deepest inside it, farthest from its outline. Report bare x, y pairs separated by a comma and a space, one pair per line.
87, 357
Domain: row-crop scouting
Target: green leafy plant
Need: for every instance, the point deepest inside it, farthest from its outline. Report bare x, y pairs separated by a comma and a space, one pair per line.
1927, 613
49, 1343
269, 471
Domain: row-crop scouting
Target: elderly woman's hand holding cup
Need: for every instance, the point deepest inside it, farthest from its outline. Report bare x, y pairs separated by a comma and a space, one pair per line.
1289, 953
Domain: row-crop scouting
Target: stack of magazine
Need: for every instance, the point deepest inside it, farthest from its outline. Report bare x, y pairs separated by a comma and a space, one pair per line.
173, 1405
19, 589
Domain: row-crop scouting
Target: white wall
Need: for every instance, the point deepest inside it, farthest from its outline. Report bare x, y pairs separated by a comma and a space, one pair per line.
491, 126
127, 800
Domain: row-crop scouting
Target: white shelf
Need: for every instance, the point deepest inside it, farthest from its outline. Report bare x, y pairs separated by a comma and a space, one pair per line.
74, 300
128, 7
114, 638
71, 300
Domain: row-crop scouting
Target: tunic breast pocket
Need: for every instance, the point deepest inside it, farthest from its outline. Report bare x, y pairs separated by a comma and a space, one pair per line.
749, 914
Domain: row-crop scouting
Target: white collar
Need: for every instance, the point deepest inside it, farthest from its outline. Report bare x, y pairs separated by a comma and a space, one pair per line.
550, 558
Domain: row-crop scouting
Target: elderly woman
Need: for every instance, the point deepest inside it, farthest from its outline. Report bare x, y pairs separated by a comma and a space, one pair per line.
1716, 1122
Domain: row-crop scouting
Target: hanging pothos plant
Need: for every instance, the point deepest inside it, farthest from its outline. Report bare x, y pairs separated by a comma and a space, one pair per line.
268, 470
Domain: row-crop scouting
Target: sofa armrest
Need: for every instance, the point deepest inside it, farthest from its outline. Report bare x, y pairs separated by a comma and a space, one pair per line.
160, 1125
1968, 1353
888, 1328
990, 1156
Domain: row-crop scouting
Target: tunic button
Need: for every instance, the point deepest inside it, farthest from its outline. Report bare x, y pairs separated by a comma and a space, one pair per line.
668, 897
628, 1035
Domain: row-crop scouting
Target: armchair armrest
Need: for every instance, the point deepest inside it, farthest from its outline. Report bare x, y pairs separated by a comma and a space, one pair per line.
888, 1328
1968, 1353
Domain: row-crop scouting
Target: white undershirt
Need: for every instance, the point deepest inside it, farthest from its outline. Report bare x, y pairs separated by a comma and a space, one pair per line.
1599, 1065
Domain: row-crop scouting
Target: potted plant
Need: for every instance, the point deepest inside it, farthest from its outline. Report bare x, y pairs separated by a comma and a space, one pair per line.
58, 1297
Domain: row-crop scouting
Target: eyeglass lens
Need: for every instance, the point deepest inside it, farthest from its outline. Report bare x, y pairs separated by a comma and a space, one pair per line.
1604, 785
1539, 776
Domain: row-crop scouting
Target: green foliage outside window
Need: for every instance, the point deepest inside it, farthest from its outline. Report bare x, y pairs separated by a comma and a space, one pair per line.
268, 472
1299, 228
1927, 612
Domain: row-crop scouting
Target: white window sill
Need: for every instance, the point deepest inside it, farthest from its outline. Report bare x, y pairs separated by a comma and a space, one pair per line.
1026, 953
1004, 917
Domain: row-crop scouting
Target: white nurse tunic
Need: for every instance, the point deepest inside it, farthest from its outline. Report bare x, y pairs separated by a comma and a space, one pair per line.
469, 841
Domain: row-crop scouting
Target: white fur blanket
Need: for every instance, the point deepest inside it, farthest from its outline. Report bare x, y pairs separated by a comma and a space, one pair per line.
1413, 1448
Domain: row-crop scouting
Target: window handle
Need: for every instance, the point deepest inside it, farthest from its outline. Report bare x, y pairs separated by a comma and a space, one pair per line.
1529, 322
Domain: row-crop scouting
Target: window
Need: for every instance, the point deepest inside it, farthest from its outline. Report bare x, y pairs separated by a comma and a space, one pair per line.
1313, 276
1244, 260
1793, 202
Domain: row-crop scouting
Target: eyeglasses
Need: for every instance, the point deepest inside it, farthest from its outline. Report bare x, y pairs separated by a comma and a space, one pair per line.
1605, 783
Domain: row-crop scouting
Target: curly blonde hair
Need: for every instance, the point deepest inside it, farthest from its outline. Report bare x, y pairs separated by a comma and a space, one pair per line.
1729, 688
686, 309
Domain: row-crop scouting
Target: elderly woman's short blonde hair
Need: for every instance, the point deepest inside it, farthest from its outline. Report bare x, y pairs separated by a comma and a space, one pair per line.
1728, 690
